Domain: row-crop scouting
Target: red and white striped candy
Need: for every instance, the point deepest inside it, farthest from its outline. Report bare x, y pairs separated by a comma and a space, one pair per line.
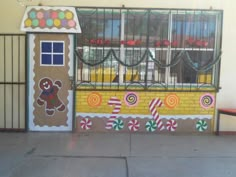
156, 102
85, 124
171, 125
133, 125
117, 105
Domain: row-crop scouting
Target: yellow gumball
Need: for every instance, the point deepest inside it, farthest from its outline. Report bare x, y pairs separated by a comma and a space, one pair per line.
57, 22
28, 23
69, 15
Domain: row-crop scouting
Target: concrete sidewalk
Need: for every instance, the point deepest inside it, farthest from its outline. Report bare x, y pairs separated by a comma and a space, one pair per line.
116, 155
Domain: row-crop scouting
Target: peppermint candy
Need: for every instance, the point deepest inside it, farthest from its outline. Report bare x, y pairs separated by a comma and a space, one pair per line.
133, 125
171, 125
85, 124
118, 124
201, 125
151, 126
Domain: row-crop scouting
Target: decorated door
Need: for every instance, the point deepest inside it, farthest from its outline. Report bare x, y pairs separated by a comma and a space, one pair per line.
50, 96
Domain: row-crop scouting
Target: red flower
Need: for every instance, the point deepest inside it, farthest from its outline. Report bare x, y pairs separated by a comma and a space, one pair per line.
107, 42
92, 41
157, 43
174, 43
138, 42
204, 43
165, 43
190, 41
122, 42
198, 43
130, 42
99, 42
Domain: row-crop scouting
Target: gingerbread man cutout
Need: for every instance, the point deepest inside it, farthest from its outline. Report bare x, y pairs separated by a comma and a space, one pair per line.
49, 97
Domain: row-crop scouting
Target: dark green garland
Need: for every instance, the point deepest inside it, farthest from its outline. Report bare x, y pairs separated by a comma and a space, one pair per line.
174, 61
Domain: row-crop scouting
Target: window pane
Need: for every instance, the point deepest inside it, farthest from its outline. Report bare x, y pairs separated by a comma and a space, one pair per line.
58, 47
194, 30
158, 48
101, 27
58, 59
46, 59
187, 69
158, 28
136, 27
46, 47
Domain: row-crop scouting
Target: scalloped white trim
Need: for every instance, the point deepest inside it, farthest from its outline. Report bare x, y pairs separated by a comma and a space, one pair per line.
141, 116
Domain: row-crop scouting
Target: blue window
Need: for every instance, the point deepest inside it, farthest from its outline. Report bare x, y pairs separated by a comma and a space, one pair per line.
52, 53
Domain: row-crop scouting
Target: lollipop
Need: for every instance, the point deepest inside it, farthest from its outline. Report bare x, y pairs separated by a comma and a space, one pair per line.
94, 99
207, 100
171, 101
131, 99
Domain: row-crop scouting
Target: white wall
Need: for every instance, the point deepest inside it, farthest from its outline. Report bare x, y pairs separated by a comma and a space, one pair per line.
11, 14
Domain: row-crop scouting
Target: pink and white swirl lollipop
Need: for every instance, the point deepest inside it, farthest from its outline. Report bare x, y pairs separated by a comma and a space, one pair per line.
133, 125
86, 124
171, 125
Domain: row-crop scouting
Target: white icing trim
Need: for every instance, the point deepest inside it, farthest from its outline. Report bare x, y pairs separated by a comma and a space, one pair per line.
31, 75
141, 116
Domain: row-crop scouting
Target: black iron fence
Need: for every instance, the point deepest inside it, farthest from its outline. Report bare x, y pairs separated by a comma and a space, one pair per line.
12, 82
149, 49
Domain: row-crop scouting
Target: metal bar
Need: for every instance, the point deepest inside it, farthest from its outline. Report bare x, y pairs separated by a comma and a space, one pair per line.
18, 79
12, 77
73, 89
122, 48
12, 83
103, 53
4, 81
147, 46
26, 82
141, 8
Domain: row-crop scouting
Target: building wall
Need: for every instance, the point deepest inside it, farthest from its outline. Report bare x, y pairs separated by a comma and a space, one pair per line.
184, 108
10, 23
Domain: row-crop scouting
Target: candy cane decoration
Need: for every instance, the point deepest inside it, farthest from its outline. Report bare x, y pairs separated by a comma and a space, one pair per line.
156, 102
113, 101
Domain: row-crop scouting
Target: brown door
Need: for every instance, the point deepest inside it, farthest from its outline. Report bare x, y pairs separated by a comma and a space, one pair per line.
50, 95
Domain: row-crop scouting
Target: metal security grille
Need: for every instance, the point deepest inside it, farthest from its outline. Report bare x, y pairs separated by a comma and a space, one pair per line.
12, 82
149, 49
